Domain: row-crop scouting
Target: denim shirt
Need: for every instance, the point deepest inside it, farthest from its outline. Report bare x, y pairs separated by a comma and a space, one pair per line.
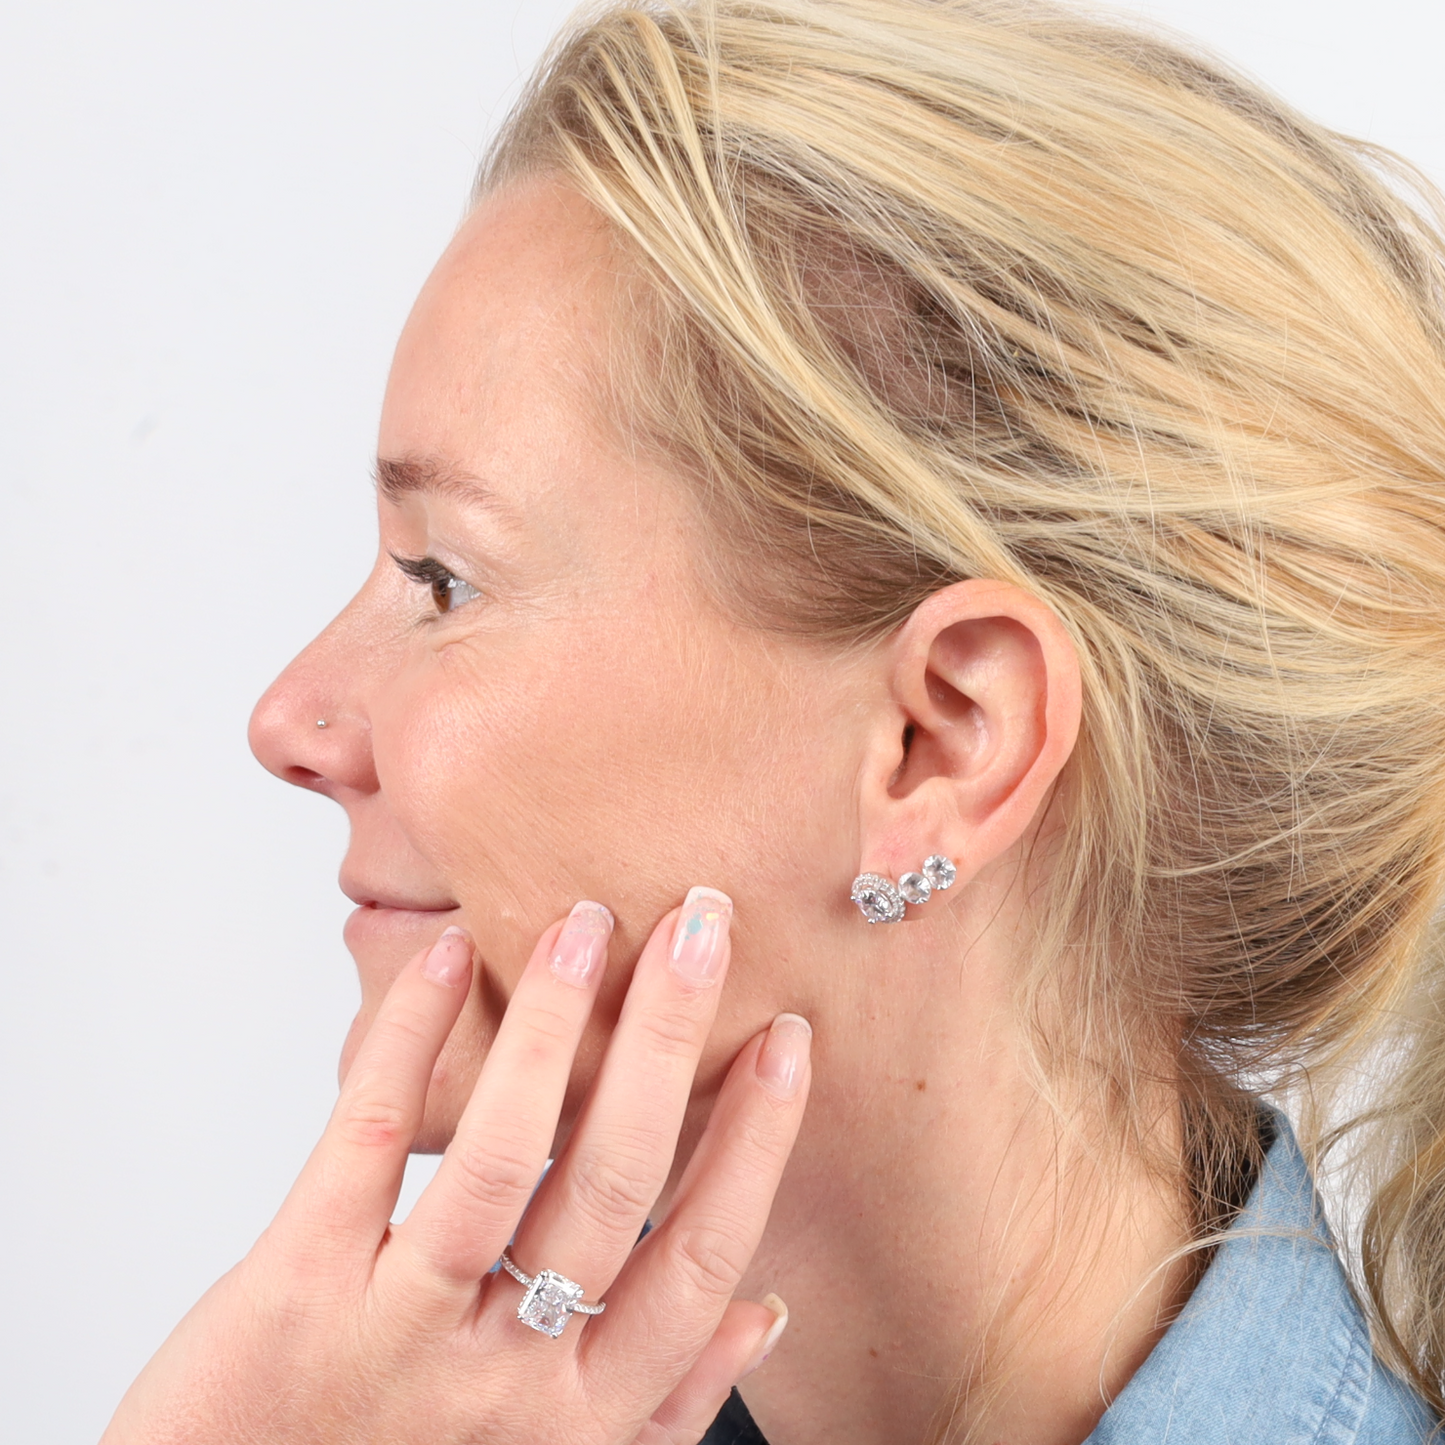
1271, 1346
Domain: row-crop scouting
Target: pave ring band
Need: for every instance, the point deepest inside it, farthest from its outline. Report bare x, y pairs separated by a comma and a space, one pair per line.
551, 1298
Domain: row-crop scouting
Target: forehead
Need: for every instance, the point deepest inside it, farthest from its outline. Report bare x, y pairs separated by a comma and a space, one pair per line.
508, 344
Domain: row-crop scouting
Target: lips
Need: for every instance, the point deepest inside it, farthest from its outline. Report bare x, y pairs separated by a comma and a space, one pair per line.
390, 915
366, 895
374, 923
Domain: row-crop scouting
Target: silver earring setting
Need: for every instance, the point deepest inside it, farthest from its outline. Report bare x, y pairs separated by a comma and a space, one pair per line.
881, 901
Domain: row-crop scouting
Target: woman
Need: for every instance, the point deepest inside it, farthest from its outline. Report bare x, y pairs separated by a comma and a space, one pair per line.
868, 462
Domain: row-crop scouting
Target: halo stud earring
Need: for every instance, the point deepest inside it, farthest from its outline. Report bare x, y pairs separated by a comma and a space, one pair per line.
877, 899
940, 872
915, 888
880, 901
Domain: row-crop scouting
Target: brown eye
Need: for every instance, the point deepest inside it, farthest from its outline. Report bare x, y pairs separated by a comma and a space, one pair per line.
448, 591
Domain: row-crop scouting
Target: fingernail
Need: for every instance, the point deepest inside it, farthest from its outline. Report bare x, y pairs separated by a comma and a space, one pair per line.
449, 957
582, 944
784, 1055
775, 1330
697, 951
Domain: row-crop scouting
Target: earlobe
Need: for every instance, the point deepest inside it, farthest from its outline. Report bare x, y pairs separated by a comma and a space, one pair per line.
981, 717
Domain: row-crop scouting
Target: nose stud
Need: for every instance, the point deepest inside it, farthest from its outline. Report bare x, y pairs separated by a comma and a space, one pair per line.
321, 722
881, 901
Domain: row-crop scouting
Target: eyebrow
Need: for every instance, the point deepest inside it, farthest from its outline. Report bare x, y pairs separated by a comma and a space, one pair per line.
397, 477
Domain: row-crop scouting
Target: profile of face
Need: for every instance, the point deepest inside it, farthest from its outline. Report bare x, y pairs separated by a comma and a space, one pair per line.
532, 699
538, 697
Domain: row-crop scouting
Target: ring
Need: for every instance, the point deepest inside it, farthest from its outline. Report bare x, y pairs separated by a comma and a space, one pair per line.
551, 1299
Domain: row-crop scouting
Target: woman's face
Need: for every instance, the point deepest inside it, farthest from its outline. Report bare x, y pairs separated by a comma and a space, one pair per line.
541, 703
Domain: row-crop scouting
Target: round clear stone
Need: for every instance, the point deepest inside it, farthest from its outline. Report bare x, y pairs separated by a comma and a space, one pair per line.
915, 888
940, 871
877, 899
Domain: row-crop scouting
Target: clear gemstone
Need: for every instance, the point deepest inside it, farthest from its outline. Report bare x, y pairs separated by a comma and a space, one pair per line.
877, 899
940, 871
915, 888
548, 1303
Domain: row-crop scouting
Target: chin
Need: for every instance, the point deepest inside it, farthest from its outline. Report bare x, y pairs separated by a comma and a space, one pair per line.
381, 941
452, 1078
354, 1035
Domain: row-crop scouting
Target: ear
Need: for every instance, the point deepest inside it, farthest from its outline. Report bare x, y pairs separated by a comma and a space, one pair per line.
982, 714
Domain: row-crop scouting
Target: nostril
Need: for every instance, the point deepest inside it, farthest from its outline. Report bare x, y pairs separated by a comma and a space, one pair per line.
305, 778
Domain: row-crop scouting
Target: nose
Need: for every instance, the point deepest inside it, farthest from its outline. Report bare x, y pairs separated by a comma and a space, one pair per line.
312, 727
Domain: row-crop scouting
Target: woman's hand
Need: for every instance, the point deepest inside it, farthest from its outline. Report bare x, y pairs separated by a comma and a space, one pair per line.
339, 1326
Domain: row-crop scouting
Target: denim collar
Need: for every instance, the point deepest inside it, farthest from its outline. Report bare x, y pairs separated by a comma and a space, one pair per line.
1271, 1346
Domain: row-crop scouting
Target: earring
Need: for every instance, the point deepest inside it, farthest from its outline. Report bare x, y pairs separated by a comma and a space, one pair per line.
880, 901
877, 899
915, 888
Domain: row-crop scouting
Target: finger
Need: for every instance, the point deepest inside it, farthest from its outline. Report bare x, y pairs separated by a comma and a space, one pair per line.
675, 1286
350, 1184
587, 1216
458, 1228
741, 1343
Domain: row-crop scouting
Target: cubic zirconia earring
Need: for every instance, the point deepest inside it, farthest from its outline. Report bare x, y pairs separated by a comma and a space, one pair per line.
940, 872
877, 899
915, 888
880, 901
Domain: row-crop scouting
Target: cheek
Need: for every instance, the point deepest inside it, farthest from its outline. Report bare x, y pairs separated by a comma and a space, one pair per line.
535, 769
623, 767
517, 770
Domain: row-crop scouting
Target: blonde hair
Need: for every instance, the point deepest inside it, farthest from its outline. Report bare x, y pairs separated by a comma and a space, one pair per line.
956, 288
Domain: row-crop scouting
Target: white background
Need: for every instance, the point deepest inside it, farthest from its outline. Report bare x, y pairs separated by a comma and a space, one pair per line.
212, 220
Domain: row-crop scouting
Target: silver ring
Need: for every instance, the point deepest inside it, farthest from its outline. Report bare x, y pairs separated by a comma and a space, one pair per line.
551, 1299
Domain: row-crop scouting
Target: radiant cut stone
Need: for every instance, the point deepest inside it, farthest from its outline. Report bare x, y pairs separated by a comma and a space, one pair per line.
915, 888
877, 899
548, 1303
940, 871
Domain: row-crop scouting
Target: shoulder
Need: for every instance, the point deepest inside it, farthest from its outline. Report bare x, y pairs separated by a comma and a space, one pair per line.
1272, 1344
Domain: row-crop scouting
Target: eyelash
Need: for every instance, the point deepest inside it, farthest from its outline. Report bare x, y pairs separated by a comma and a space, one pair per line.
443, 583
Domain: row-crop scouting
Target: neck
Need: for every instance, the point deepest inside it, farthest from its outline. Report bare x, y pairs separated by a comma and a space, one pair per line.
957, 1265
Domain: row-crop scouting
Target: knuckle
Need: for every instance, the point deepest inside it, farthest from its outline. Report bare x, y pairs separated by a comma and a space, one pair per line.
402, 1028
671, 1032
711, 1260
371, 1121
656, 1432
605, 1188
547, 1029
495, 1180
762, 1135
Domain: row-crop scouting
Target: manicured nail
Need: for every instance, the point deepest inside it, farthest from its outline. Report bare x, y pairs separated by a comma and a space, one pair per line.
697, 951
449, 958
582, 944
775, 1330
784, 1055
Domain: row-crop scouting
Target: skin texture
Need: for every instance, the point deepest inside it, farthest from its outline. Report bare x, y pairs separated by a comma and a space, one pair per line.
586, 722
